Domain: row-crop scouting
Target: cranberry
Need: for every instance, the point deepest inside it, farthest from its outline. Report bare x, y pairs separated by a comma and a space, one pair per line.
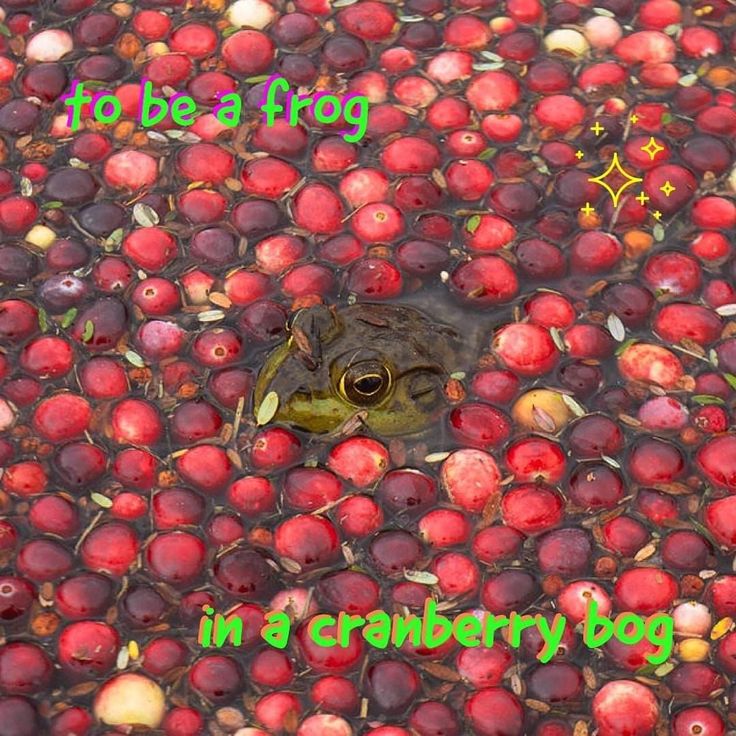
84, 595
494, 711
564, 552
329, 660
16, 597
19, 716
645, 590
24, 669
509, 590
625, 705
532, 509
335, 693
110, 548
88, 649
216, 677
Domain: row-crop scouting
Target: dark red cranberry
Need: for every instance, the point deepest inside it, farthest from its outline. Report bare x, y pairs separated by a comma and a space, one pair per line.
143, 606
16, 597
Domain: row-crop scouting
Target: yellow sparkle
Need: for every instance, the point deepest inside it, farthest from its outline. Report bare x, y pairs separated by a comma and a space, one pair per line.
634, 119
656, 214
652, 148
587, 210
579, 155
615, 166
597, 128
641, 198
667, 188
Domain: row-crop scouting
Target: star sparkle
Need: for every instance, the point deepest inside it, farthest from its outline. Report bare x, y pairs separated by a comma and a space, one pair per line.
615, 166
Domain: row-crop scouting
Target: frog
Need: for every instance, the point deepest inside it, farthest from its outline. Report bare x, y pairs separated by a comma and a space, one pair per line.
386, 365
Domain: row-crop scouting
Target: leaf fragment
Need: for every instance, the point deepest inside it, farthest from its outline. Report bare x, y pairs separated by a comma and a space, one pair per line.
68, 317
707, 399
731, 380
211, 315
616, 327
543, 420
473, 224
664, 669
624, 346
421, 576
145, 215
647, 551
290, 565
721, 628
577, 409
488, 66
101, 500
726, 310
123, 658
134, 359
43, 319
436, 457
268, 408
557, 339
88, 331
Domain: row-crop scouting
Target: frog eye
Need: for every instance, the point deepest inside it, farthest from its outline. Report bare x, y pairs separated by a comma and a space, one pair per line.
366, 383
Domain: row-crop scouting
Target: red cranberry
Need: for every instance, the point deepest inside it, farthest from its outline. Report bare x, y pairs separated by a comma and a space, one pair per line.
88, 649
509, 590
16, 597
216, 677
25, 669
393, 685
494, 712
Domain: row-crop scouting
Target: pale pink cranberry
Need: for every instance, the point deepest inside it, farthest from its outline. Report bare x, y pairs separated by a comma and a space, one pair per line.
651, 363
663, 413
692, 619
625, 706
49, 45
602, 32
647, 47
448, 66
574, 599
470, 477
131, 170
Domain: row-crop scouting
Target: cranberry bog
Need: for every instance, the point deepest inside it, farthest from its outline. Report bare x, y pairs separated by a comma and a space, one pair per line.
559, 176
